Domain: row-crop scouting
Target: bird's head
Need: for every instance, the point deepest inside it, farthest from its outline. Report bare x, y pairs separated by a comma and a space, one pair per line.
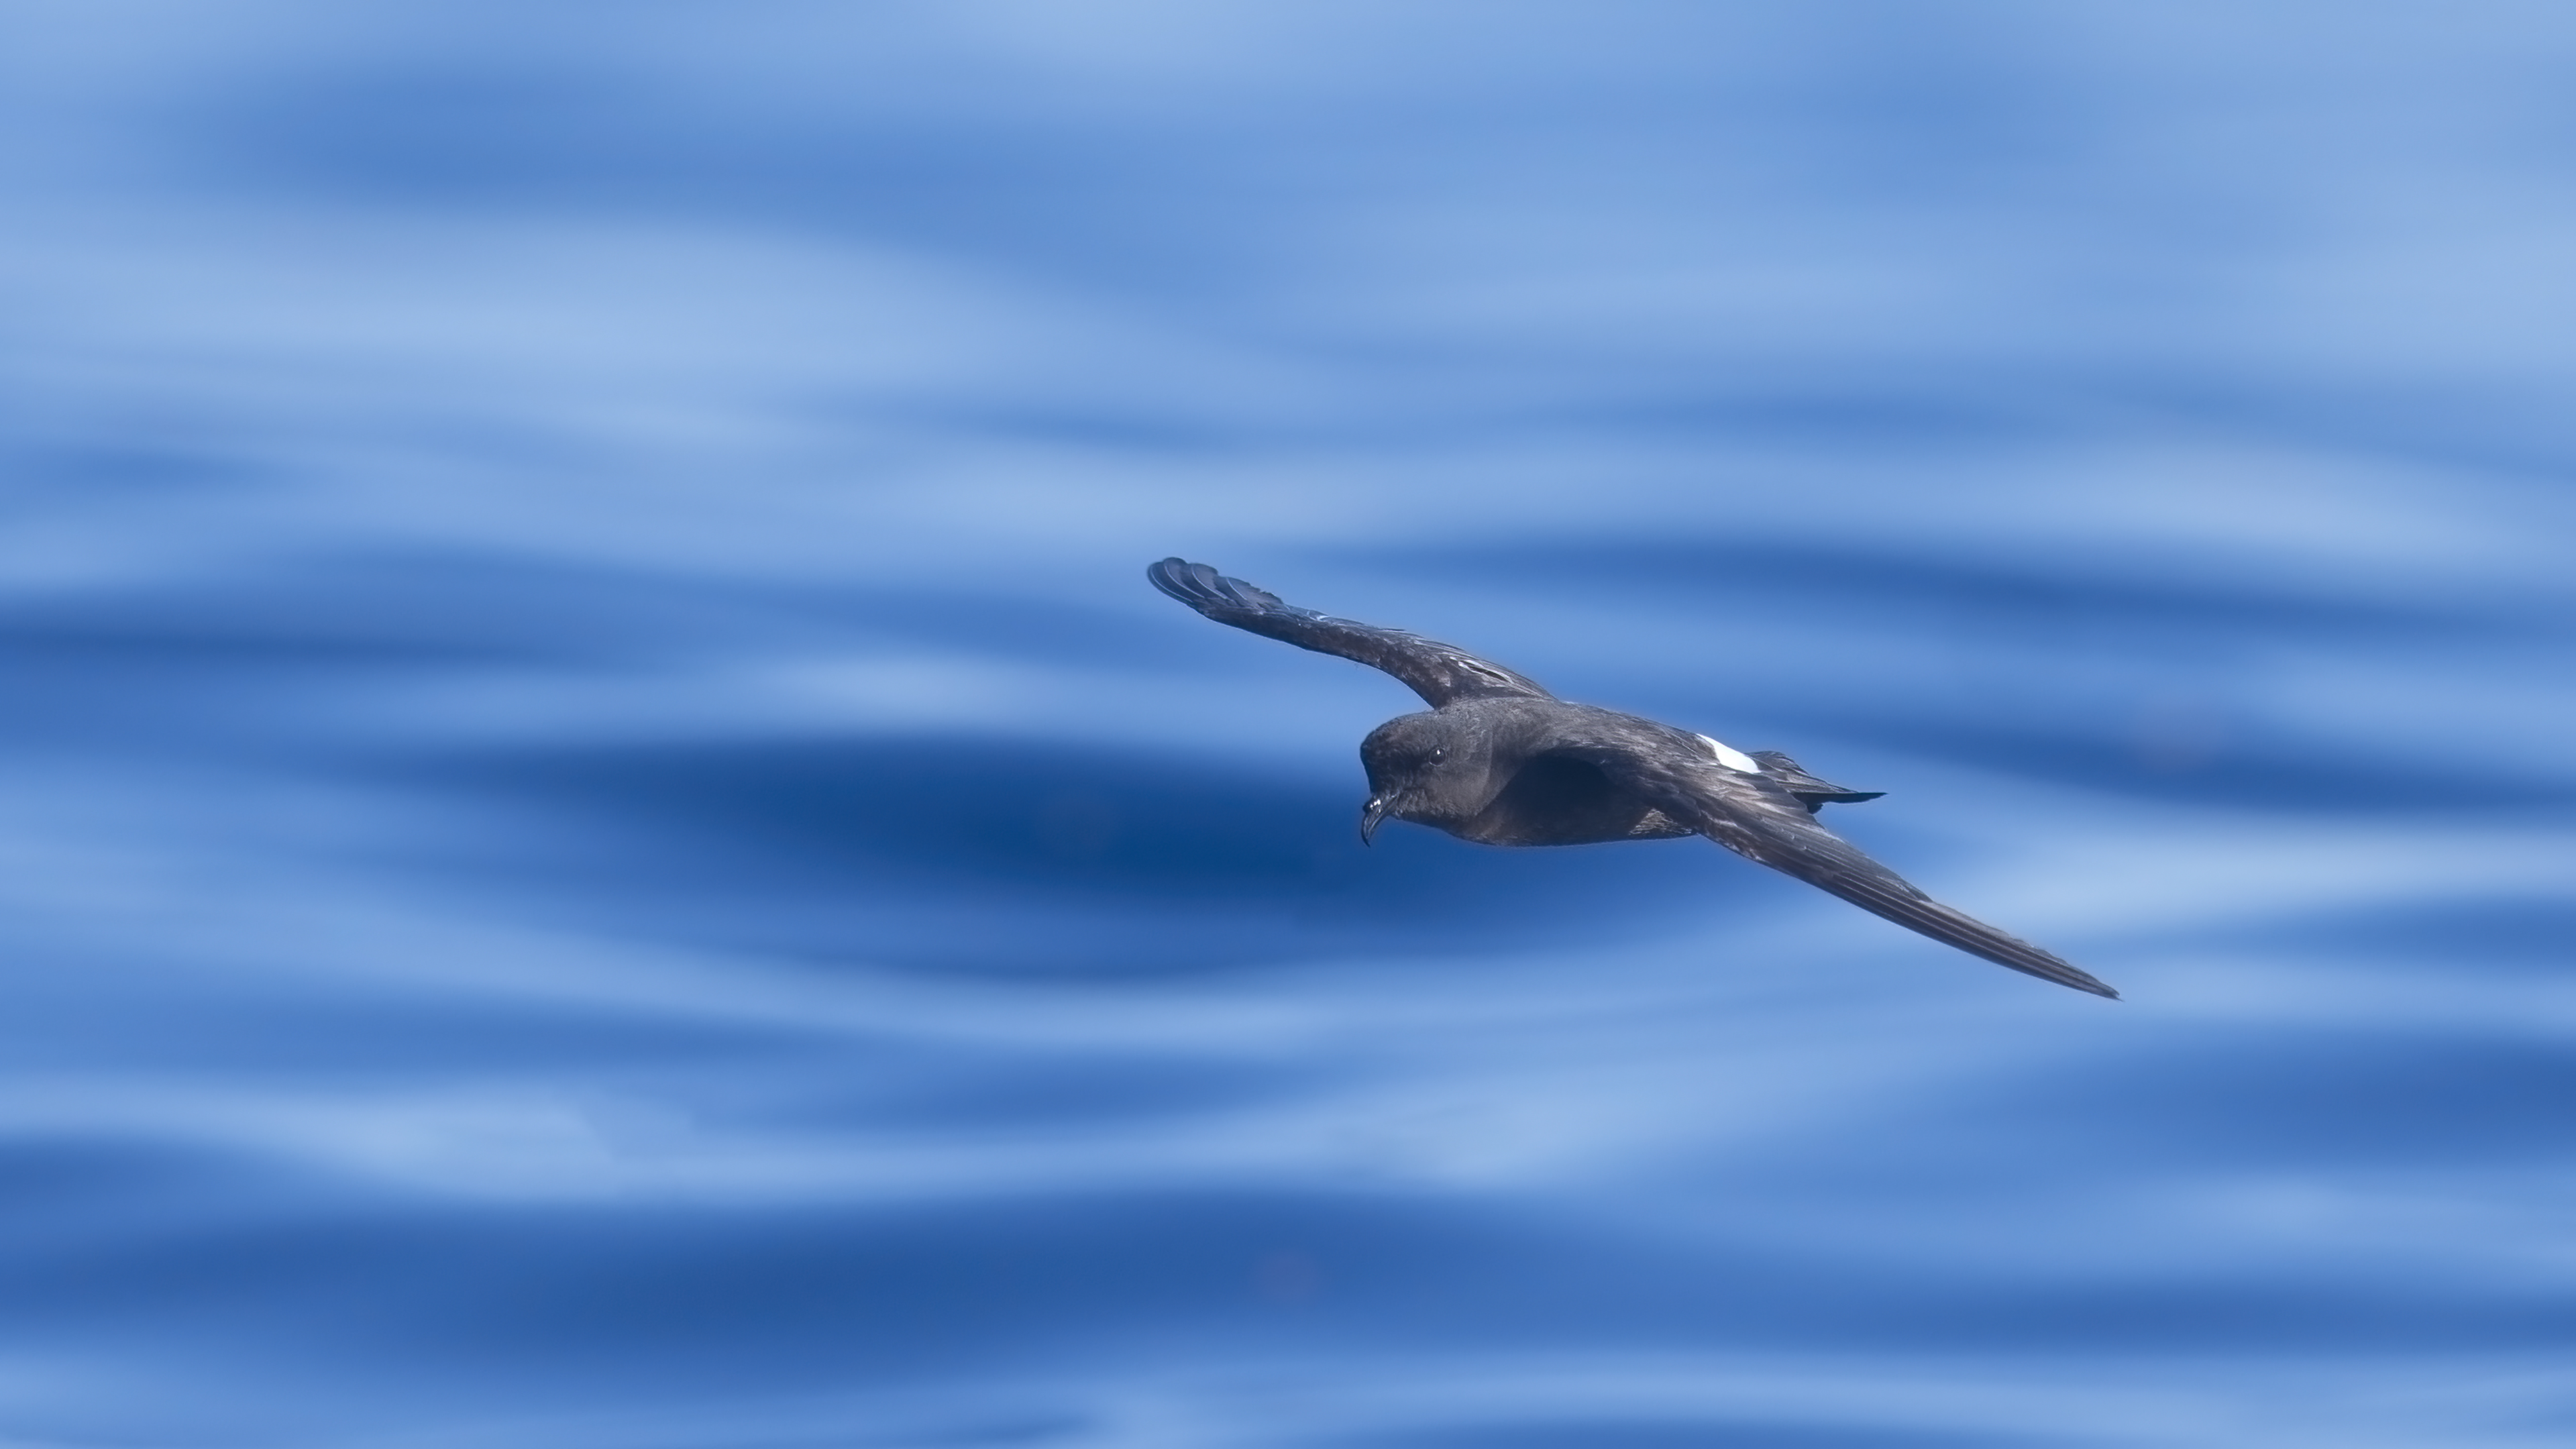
1424, 768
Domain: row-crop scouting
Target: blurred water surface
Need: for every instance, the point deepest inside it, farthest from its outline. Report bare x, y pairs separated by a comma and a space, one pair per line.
604, 844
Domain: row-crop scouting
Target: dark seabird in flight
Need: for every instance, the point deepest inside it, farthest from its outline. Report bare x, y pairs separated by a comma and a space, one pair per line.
1501, 761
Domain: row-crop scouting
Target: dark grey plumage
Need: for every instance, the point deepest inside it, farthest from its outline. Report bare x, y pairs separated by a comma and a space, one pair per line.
1501, 761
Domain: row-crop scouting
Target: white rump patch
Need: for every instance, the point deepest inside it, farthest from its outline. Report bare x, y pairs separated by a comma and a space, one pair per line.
1733, 758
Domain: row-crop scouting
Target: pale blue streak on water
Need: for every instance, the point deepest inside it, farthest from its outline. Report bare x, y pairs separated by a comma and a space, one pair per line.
604, 844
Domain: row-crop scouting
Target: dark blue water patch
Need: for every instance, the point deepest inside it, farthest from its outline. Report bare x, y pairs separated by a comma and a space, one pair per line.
952, 1089
298, 1032
2006, 413
71, 1190
68, 649
2246, 771
667, 1300
999, 618
335, 627
1005, 843
1130, 430
2471, 938
2023, 595
2463, 430
2249, 1313
1033, 176
1712, 1432
912, 1290
1904, 105
106, 693
710, 1296
2276, 1099
666, 1303
1114, 202
131, 468
105, 1232
413, 610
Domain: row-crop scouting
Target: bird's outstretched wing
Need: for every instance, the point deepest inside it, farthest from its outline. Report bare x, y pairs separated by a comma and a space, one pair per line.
1438, 672
1763, 821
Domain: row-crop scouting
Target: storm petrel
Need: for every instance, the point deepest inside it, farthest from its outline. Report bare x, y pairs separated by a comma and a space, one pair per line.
1501, 761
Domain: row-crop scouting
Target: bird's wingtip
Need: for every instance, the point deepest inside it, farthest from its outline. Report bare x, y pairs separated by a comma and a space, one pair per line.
1203, 588
2048, 968
1193, 584
2077, 977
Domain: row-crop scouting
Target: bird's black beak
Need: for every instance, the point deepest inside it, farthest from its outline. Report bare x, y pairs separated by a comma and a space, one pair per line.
1370, 814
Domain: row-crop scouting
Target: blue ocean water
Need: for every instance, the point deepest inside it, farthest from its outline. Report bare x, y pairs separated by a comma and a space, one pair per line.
603, 844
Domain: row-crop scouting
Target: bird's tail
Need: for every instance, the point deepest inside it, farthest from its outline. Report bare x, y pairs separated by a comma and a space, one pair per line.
1811, 792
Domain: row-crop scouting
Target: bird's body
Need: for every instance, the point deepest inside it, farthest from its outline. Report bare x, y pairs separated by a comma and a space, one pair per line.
1516, 789
1500, 761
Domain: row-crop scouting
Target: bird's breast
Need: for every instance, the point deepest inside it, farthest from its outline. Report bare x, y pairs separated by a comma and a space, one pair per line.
1557, 801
